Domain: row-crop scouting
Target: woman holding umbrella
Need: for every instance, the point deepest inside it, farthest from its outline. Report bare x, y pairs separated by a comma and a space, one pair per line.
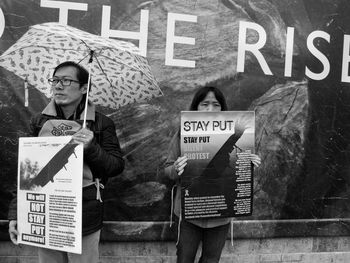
212, 232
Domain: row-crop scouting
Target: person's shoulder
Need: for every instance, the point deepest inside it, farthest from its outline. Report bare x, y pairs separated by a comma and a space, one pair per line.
176, 135
175, 139
103, 119
37, 117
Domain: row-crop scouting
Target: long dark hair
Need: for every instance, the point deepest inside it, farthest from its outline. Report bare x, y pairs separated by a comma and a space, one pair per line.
202, 93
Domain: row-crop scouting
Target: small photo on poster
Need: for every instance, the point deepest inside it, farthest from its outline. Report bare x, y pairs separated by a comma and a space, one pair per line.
37, 170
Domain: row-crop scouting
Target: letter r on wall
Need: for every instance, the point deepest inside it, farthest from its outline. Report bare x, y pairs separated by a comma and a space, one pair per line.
253, 48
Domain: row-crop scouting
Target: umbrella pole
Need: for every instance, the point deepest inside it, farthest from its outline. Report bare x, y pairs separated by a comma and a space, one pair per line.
26, 100
88, 88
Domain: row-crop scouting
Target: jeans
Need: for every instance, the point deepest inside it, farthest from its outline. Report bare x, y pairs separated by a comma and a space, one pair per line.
213, 241
89, 253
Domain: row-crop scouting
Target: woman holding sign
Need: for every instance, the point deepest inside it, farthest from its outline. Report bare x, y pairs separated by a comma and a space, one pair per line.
212, 232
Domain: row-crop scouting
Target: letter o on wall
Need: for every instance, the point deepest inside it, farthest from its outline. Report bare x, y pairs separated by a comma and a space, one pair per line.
2, 22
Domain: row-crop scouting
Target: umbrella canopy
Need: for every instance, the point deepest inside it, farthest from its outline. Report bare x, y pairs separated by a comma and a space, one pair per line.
119, 74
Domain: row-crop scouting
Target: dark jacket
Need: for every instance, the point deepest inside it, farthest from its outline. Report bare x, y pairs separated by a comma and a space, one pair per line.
103, 157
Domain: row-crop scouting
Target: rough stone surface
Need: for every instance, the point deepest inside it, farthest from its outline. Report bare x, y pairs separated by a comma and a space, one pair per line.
289, 250
281, 125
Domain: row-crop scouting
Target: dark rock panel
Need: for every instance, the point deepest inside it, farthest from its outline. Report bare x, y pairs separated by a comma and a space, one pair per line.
281, 126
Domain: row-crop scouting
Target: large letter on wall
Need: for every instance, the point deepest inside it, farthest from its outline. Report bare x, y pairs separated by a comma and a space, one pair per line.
171, 39
253, 48
289, 52
346, 59
2, 22
64, 7
141, 36
321, 57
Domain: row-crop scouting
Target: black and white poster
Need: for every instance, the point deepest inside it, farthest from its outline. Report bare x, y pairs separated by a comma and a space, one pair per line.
49, 202
218, 178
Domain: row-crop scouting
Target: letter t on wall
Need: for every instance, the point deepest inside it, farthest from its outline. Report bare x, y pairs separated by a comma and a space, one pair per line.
64, 6
171, 39
141, 36
346, 59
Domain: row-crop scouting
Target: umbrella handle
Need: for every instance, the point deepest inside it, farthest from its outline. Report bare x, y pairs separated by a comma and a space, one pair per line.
26, 94
88, 87
87, 95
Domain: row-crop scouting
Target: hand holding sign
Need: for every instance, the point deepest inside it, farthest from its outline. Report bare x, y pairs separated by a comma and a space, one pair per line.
84, 136
180, 164
13, 231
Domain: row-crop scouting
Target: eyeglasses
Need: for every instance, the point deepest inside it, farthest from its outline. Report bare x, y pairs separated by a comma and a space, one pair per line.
64, 82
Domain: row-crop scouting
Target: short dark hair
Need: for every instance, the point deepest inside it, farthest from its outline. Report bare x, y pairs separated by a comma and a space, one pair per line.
82, 73
202, 93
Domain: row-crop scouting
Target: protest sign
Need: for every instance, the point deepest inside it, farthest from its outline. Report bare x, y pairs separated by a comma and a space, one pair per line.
50, 193
218, 178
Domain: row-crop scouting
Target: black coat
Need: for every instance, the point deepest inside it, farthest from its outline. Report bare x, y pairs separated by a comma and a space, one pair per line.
104, 158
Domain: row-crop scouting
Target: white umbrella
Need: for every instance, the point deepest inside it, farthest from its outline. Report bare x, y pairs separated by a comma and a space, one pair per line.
119, 74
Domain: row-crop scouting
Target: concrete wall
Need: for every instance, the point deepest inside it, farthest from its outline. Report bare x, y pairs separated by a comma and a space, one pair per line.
269, 250
315, 249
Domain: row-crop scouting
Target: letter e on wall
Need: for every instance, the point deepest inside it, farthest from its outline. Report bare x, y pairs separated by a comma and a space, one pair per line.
171, 39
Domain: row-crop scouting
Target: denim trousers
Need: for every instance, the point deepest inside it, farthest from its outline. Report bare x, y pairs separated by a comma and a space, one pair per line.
89, 253
213, 241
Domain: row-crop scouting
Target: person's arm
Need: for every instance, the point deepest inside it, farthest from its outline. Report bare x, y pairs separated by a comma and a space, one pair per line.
12, 217
34, 125
13, 231
175, 164
104, 157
